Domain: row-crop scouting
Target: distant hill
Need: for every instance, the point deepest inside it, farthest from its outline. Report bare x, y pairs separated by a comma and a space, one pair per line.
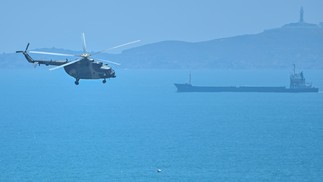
300, 43
276, 48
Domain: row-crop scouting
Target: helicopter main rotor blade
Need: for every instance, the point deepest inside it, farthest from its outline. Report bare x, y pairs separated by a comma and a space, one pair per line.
66, 64
84, 43
51, 53
115, 47
109, 62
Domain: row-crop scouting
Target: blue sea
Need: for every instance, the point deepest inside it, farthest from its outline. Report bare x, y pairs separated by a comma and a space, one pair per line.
135, 124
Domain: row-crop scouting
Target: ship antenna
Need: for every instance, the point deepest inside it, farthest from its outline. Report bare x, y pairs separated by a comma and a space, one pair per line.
189, 78
294, 68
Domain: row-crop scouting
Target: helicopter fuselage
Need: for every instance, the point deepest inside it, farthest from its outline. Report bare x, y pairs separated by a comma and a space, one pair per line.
89, 69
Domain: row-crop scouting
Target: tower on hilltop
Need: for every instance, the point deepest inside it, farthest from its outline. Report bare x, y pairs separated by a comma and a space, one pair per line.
301, 15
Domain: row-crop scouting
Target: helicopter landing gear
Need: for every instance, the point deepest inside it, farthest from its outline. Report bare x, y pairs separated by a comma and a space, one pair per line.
77, 82
104, 81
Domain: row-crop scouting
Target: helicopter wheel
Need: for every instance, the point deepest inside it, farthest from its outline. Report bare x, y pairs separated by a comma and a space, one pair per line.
104, 81
77, 82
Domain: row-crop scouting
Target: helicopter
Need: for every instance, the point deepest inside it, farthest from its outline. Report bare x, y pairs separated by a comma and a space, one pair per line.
83, 67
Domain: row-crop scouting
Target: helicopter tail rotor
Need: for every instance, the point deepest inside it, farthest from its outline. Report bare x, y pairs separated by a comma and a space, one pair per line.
27, 47
25, 53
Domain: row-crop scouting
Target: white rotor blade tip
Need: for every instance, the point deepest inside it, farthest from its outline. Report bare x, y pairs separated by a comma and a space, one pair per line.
51, 53
66, 64
84, 42
115, 47
125, 44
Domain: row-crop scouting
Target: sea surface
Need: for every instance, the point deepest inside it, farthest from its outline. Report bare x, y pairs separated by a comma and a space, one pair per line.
135, 124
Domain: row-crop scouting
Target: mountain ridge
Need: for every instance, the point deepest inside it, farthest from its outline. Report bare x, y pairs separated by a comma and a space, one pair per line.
295, 43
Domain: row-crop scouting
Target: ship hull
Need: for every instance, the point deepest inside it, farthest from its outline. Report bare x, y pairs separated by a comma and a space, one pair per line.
191, 88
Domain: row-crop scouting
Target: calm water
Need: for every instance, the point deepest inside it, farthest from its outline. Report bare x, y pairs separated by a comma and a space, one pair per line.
52, 130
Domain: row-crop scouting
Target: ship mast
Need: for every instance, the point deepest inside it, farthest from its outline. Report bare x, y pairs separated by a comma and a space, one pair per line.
189, 78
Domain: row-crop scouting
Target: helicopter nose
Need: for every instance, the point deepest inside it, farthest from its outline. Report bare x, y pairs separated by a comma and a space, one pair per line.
113, 73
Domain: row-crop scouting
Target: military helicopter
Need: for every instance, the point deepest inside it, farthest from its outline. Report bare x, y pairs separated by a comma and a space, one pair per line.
84, 67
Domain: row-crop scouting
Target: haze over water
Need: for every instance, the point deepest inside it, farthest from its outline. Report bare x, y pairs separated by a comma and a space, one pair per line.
52, 130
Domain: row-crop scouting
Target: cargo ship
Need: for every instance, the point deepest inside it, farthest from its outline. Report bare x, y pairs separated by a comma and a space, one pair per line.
297, 85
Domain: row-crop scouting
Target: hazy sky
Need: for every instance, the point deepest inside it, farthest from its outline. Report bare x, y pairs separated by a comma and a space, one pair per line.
106, 23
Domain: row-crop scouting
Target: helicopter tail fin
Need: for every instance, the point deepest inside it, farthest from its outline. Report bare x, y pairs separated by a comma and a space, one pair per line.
25, 53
